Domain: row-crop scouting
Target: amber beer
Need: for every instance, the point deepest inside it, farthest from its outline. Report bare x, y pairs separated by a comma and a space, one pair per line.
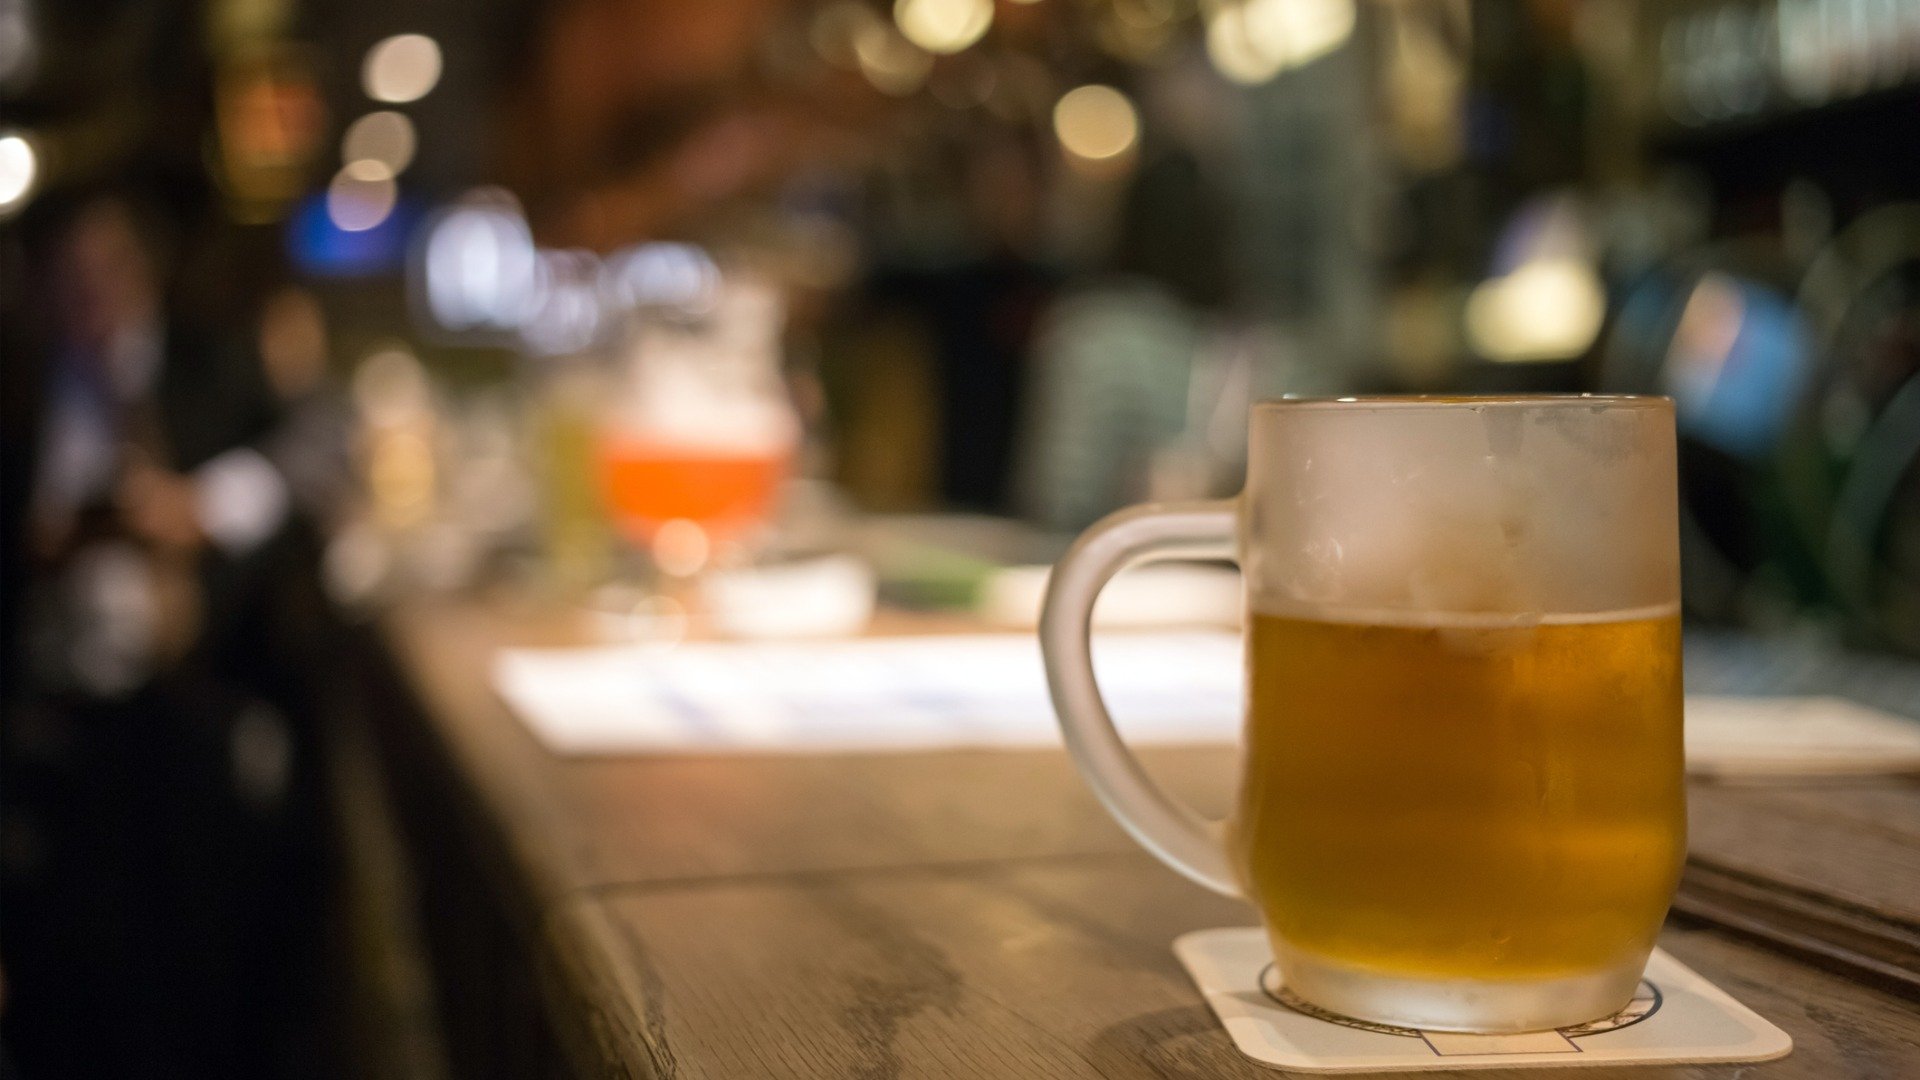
1463, 797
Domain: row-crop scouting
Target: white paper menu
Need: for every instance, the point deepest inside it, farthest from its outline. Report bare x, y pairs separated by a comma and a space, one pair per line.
988, 690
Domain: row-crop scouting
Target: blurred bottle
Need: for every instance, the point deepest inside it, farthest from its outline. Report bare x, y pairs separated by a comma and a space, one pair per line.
399, 425
573, 522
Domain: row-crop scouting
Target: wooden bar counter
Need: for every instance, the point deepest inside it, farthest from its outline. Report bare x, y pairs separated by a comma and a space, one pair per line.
957, 914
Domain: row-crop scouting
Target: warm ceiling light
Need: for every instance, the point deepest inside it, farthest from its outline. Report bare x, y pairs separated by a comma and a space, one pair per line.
1254, 40
19, 167
401, 68
1095, 123
385, 136
361, 196
1546, 309
943, 26
890, 62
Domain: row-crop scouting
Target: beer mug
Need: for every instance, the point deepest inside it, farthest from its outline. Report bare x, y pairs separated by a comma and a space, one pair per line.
1462, 801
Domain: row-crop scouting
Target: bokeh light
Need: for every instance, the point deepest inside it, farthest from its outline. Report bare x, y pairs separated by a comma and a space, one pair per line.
1095, 122
681, 548
401, 68
1546, 309
479, 265
890, 62
661, 275
390, 388
19, 43
835, 30
943, 26
566, 314
394, 401
385, 136
19, 168
1252, 41
319, 247
361, 195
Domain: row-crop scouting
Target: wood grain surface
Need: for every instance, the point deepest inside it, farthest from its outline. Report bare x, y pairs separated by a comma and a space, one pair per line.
1057, 968
959, 913
1859, 843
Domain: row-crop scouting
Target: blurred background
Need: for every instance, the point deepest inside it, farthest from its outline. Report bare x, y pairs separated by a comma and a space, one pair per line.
732, 310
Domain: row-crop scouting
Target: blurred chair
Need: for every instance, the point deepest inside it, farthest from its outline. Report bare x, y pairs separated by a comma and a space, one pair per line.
1714, 330
1119, 362
1857, 480
1799, 423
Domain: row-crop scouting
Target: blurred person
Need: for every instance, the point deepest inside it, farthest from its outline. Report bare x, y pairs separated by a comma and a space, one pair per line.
160, 874
978, 313
1116, 358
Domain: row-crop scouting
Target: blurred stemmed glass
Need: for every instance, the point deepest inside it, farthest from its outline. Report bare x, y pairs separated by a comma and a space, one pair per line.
698, 431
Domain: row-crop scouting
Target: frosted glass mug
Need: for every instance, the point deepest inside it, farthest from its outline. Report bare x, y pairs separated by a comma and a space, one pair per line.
1462, 801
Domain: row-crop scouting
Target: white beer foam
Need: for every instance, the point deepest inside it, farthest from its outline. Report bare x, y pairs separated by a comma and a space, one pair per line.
676, 401
1310, 611
1559, 512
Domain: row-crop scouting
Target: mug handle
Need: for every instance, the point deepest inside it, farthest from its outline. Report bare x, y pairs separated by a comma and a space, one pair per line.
1170, 829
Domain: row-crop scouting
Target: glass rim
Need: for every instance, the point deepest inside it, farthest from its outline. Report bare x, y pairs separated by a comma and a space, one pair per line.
1441, 401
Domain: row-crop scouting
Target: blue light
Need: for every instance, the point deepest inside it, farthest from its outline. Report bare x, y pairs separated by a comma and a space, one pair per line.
320, 248
1743, 398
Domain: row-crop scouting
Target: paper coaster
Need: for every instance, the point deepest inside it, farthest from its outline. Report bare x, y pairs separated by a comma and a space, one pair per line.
1676, 1017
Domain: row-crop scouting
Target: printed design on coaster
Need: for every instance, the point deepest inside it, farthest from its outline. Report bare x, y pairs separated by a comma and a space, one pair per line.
1677, 1016
1646, 1001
